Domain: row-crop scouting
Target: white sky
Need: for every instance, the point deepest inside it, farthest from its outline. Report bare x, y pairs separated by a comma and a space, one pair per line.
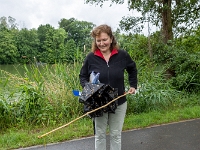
32, 13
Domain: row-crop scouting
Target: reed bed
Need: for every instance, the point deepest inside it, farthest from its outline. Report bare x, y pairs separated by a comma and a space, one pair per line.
43, 95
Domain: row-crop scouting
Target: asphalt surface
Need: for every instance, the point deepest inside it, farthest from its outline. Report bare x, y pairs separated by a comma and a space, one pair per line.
183, 135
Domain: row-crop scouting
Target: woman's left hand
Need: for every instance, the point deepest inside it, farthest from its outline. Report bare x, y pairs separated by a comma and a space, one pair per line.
131, 90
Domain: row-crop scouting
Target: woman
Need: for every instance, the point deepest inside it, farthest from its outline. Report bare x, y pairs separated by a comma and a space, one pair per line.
111, 62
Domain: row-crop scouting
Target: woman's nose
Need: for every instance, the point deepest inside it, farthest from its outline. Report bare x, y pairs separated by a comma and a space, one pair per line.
101, 43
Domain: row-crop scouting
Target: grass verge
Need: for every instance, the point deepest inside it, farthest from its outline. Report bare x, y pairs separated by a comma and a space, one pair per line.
28, 136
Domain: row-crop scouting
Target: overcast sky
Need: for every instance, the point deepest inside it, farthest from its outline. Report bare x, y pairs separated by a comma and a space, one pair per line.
32, 13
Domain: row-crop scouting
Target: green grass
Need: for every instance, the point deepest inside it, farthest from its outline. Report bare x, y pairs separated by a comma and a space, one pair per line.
28, 136
157, 118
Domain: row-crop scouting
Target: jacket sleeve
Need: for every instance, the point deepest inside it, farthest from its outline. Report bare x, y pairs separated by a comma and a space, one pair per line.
84, 75
132, 71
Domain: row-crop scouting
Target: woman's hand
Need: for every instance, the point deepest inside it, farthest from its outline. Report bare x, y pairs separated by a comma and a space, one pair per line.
132, 90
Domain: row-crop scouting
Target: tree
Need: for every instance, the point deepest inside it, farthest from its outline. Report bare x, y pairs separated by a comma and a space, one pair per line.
3, 23
47, 49
8, 49
71, 49
8, 23
52, 48
28, 44
59, 44
79, 31
173, 16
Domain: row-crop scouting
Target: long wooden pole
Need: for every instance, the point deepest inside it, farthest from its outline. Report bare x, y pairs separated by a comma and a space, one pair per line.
82, 116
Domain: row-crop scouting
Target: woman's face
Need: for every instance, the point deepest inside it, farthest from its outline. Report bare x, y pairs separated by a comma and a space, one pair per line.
103, 42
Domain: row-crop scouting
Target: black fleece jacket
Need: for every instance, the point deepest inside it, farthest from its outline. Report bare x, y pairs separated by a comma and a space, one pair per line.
111, 73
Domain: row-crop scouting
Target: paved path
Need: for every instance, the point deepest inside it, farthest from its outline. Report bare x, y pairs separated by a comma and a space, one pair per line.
183, 135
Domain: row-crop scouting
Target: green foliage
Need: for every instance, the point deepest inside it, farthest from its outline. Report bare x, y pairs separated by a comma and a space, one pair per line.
45, 44
190, 42
186, 67
157, 93
47, 51
136, 45
27, 43
181, 60
71, 51
5, 112
172, 16
154, 92
59, 45
79, 31
184, 14
31, 106
8, 49
43, 97
8, 23
43, 94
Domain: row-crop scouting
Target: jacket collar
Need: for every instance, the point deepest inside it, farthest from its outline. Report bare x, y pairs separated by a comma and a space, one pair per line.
98, 53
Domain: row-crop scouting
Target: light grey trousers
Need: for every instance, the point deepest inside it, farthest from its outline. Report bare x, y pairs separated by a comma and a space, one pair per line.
115, 122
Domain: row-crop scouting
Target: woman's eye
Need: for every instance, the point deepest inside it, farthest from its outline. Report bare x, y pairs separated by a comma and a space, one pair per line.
101, 40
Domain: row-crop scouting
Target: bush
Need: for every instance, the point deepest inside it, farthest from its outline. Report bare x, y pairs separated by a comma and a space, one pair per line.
181, 58
186, 67
5, 114
154, 92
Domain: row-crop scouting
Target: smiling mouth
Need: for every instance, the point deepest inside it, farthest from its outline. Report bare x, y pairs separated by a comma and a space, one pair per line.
104, 46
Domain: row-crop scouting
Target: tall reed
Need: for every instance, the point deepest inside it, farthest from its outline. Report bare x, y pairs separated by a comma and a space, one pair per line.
154, 91
44, 95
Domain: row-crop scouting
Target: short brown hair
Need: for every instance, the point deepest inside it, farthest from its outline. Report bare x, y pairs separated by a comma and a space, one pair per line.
103, 29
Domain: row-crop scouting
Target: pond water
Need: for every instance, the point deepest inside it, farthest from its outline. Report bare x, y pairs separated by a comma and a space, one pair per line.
17, 69
14, 69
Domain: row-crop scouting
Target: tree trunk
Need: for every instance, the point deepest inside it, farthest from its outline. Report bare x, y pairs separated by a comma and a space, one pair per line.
167, 21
